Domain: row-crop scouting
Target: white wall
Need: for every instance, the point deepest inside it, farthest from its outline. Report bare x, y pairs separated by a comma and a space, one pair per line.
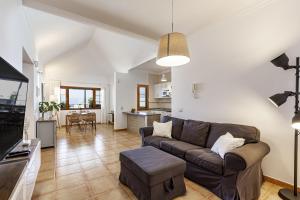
81, 67
125, 94
29, 72
230, 63
15, 33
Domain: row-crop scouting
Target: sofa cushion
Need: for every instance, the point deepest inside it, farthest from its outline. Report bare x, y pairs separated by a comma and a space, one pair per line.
177, 148
177, 125
155, 141
195, 132
249, 133
206, 159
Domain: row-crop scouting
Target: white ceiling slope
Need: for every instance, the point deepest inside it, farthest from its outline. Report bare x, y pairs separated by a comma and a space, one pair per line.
126, 31
122, 51
81, 65
151, 67
55, 35
149, 18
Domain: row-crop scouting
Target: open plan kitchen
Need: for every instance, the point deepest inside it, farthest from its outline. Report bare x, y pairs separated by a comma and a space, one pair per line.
153, 97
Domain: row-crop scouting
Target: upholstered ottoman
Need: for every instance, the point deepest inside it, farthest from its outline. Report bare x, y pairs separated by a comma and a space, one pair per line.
152, 174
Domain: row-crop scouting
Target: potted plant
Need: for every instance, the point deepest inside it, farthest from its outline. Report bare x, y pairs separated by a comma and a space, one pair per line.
45, 107
54, 107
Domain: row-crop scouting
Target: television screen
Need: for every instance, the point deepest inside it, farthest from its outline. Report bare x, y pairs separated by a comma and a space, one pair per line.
13, 95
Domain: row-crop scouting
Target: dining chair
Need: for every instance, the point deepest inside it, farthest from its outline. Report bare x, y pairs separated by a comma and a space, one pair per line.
73, 119
90, 119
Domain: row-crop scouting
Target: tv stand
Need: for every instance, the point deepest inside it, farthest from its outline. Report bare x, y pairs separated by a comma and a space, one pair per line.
18, 175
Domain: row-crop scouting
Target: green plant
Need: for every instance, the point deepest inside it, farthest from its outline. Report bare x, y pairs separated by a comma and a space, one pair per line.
53, 106
45, 107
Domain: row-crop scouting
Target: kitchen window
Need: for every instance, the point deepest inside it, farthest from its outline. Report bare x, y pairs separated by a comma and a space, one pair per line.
142, 97
80, 98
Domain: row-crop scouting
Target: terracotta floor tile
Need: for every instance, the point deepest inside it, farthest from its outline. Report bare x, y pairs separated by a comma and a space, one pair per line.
70, 180
48, 196
95, 173
67, 161
75, 193
114, 167
87, 157
110, 159
116, 194
44, 187
46, 175
89, 164
102, 184
46, 166
68, 169
85, 166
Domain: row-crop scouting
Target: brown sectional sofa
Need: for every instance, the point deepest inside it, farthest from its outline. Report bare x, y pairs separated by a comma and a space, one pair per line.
237, 176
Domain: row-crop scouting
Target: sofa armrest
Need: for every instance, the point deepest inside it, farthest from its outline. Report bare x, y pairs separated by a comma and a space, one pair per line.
243, 157
145, 132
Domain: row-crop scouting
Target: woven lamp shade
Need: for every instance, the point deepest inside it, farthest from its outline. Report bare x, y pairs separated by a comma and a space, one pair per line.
173, 50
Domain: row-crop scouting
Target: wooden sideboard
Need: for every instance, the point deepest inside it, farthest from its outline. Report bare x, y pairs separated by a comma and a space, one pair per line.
18, 175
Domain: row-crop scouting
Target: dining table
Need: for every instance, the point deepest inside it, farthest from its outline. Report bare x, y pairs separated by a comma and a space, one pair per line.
83, 119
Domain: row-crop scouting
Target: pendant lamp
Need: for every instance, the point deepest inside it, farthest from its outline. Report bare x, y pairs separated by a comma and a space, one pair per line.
163, 78
173, 49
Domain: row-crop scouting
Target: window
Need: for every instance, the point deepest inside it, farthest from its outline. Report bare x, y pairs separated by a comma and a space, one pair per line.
142, 97
80, 98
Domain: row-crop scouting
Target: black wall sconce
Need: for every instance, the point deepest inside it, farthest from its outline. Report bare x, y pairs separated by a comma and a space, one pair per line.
278, 99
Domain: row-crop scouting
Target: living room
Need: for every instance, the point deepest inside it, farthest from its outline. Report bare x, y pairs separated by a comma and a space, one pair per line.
89, 67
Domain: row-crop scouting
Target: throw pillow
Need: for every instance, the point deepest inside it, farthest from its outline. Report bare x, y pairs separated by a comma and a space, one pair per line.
195, 132
226, 143
162, 129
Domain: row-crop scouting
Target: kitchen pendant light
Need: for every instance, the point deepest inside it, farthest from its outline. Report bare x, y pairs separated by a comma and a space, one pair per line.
163, 78
173, 49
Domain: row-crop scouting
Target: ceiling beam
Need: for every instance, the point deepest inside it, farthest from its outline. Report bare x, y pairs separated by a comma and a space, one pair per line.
83, 15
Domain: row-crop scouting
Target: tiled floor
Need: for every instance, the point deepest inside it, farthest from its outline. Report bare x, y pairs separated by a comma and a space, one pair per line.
85, 166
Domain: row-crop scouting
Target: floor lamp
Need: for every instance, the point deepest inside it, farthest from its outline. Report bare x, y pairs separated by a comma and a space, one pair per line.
278, 99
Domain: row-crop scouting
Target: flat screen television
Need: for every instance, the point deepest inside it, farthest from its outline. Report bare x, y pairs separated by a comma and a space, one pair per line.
13, 95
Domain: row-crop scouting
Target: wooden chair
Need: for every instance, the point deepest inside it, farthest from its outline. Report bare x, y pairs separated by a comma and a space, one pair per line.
73, 119
90, 119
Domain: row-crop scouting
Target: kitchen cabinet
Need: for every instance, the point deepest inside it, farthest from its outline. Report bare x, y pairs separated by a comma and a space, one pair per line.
46, 132
160, 87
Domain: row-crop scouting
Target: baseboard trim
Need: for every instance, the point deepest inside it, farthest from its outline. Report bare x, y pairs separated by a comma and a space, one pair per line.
279, 183
122, 129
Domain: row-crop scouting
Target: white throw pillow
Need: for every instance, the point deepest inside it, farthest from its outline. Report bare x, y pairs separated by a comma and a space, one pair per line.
162, 129
226, 143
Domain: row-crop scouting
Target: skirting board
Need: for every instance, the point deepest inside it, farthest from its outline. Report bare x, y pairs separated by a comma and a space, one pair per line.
279, 183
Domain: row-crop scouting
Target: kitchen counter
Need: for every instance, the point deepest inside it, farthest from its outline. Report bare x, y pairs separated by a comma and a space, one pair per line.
137, 120
161, 109
141, 113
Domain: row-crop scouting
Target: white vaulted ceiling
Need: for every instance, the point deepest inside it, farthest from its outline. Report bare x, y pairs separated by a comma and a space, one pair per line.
150, 18
125, 32
55, 35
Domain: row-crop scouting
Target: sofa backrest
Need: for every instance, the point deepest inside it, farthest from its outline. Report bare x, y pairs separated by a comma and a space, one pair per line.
250, 133
177, 125
195, 132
